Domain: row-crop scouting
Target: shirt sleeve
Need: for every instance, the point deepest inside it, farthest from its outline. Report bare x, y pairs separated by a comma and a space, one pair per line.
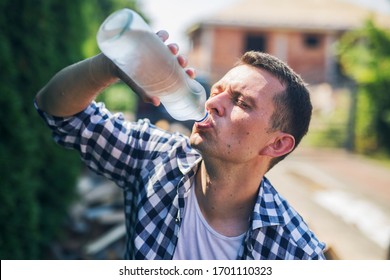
109, 145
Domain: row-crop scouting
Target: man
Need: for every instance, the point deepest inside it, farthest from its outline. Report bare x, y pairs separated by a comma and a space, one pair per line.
205, 197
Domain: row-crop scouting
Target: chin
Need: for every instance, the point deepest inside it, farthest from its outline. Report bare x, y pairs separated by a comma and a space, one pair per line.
198, 142
195, 139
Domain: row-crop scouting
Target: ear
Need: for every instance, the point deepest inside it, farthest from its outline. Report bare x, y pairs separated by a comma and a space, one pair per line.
282, 144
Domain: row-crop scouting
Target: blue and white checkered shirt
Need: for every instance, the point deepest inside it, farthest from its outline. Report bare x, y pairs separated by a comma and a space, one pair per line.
156, 169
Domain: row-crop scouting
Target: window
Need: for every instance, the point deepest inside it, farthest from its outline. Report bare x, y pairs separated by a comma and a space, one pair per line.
312, 41
255, 43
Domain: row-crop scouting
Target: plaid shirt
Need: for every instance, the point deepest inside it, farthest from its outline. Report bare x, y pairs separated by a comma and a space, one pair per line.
156, 169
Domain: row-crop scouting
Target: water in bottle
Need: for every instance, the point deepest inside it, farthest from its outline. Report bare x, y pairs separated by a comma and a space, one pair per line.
128, 41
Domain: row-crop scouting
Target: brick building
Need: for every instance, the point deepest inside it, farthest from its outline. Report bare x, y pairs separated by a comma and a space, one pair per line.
300, 32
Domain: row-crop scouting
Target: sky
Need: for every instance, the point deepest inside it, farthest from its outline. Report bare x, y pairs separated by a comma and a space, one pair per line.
176, 16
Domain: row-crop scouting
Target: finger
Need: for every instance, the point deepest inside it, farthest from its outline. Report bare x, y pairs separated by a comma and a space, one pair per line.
155, 101
182, 61
163, 34
191, 72
174, 48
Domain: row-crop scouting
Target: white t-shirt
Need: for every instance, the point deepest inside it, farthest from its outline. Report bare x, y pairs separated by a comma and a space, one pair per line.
198, 241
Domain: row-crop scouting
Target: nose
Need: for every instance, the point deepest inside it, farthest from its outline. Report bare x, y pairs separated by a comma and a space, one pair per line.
215, 104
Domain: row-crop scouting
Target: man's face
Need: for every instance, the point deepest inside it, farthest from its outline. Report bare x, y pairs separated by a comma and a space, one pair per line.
240, 107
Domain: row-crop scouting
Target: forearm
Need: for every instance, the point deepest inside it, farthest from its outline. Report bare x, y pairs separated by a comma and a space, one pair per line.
74, 87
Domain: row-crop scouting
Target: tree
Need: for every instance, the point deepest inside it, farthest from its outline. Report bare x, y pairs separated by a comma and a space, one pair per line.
365, 57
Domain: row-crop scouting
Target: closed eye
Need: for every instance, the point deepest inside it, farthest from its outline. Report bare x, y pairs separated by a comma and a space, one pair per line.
240, 101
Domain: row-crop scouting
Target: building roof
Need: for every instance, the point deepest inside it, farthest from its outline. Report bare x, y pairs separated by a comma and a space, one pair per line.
333, 15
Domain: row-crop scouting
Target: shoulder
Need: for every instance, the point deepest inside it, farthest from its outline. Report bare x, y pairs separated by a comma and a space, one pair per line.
289, 236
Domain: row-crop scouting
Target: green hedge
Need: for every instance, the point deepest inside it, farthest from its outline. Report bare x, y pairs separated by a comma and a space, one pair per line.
37, 38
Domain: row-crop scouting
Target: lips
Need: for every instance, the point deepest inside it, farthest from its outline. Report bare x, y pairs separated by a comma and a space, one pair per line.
208, 123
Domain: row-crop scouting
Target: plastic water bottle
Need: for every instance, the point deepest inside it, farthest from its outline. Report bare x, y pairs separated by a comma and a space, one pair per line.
128, 41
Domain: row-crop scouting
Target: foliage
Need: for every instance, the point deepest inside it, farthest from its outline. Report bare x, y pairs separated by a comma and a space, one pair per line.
328, 129
365, 56
38, 177
119, 98
37, 39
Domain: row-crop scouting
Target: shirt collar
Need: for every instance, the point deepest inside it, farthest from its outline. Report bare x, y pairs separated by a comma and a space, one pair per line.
188, 160
267, 210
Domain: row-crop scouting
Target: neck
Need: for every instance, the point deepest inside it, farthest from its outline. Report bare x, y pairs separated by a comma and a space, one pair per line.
226, 196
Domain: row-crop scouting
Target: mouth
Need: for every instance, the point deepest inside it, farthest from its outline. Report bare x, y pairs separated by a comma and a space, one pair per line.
207, 123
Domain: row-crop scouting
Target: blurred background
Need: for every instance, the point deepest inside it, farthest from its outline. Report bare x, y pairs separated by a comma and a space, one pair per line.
51, 207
